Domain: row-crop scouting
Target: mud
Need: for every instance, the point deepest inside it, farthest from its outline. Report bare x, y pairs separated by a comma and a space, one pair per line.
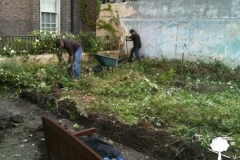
152, 143
22, 136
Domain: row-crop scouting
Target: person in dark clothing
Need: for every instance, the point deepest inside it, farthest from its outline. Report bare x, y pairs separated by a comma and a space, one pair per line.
74, 50
136, 45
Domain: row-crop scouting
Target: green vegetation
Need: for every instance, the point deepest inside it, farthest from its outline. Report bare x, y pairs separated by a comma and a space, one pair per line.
88, 14
40, 43
113, 20
202, 99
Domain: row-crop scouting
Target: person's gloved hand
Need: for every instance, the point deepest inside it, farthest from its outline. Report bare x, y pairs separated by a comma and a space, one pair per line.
69, 65
60, 53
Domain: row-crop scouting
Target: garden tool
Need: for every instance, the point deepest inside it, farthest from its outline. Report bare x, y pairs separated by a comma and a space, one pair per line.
59, 55
127, 49
60, 58
127, 46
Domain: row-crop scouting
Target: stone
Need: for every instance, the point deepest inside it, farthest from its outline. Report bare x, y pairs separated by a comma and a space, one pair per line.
16, 119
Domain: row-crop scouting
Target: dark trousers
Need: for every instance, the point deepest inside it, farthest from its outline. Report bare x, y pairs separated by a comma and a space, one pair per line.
136, 51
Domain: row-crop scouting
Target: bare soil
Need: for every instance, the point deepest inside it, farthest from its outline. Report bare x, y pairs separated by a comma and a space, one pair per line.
151, 142
22, 136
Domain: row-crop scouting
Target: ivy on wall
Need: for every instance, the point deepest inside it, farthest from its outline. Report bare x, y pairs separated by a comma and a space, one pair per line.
88, 13
108, 26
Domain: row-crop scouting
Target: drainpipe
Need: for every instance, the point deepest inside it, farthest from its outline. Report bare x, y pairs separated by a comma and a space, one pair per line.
72, 16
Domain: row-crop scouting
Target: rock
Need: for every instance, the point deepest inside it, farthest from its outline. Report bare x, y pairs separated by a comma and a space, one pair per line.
39, 135
40, 128
4, 125
32, 117
16, 119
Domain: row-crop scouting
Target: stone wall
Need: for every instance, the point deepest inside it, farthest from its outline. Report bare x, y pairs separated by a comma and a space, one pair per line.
44, 59
207, 30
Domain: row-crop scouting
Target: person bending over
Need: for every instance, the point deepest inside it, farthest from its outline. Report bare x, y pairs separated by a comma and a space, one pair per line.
74, 50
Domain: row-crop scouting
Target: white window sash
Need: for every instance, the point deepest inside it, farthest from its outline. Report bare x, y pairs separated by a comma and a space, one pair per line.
53, 8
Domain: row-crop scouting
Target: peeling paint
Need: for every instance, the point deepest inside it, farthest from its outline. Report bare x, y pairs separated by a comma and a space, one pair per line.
210, 29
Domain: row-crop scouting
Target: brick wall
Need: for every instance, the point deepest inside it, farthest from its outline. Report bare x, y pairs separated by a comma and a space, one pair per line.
35, 17
66, 18
78, 24
15, 17
21, 17
65, 13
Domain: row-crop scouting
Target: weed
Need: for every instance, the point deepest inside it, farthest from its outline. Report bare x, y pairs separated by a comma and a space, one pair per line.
207, 105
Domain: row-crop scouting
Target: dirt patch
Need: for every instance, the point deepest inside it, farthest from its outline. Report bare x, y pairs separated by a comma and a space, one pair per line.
22, 136
156, 143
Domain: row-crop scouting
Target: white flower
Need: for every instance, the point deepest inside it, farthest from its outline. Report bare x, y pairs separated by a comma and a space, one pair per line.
63, 36
12, 51
36, 40
4, 48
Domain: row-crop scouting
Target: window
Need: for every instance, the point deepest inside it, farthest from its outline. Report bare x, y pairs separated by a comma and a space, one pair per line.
118, 1
50, 15
107, 1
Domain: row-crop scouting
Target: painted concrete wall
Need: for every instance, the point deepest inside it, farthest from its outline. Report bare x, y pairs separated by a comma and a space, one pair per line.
201, 29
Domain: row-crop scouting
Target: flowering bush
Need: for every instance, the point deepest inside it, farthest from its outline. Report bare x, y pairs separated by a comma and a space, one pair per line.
7, 51
35, 43
95, 45
44, 42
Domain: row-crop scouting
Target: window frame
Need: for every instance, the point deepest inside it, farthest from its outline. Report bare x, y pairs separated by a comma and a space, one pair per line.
57, 18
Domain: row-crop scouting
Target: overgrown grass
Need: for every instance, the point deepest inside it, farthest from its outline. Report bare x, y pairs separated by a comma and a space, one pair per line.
194, 99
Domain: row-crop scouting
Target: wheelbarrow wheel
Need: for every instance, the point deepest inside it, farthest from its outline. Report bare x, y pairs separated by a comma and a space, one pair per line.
97, 69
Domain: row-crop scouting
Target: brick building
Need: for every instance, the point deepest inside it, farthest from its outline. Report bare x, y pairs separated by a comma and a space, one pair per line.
21, 17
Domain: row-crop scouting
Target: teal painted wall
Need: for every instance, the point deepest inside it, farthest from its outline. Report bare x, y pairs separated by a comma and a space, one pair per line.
210, 29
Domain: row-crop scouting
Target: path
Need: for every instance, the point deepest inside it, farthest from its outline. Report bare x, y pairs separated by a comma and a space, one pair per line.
22, 137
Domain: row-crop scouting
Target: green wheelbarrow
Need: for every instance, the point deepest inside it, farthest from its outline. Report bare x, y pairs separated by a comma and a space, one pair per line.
106, 62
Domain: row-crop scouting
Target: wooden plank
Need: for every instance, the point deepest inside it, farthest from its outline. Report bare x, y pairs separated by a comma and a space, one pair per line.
64, 145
